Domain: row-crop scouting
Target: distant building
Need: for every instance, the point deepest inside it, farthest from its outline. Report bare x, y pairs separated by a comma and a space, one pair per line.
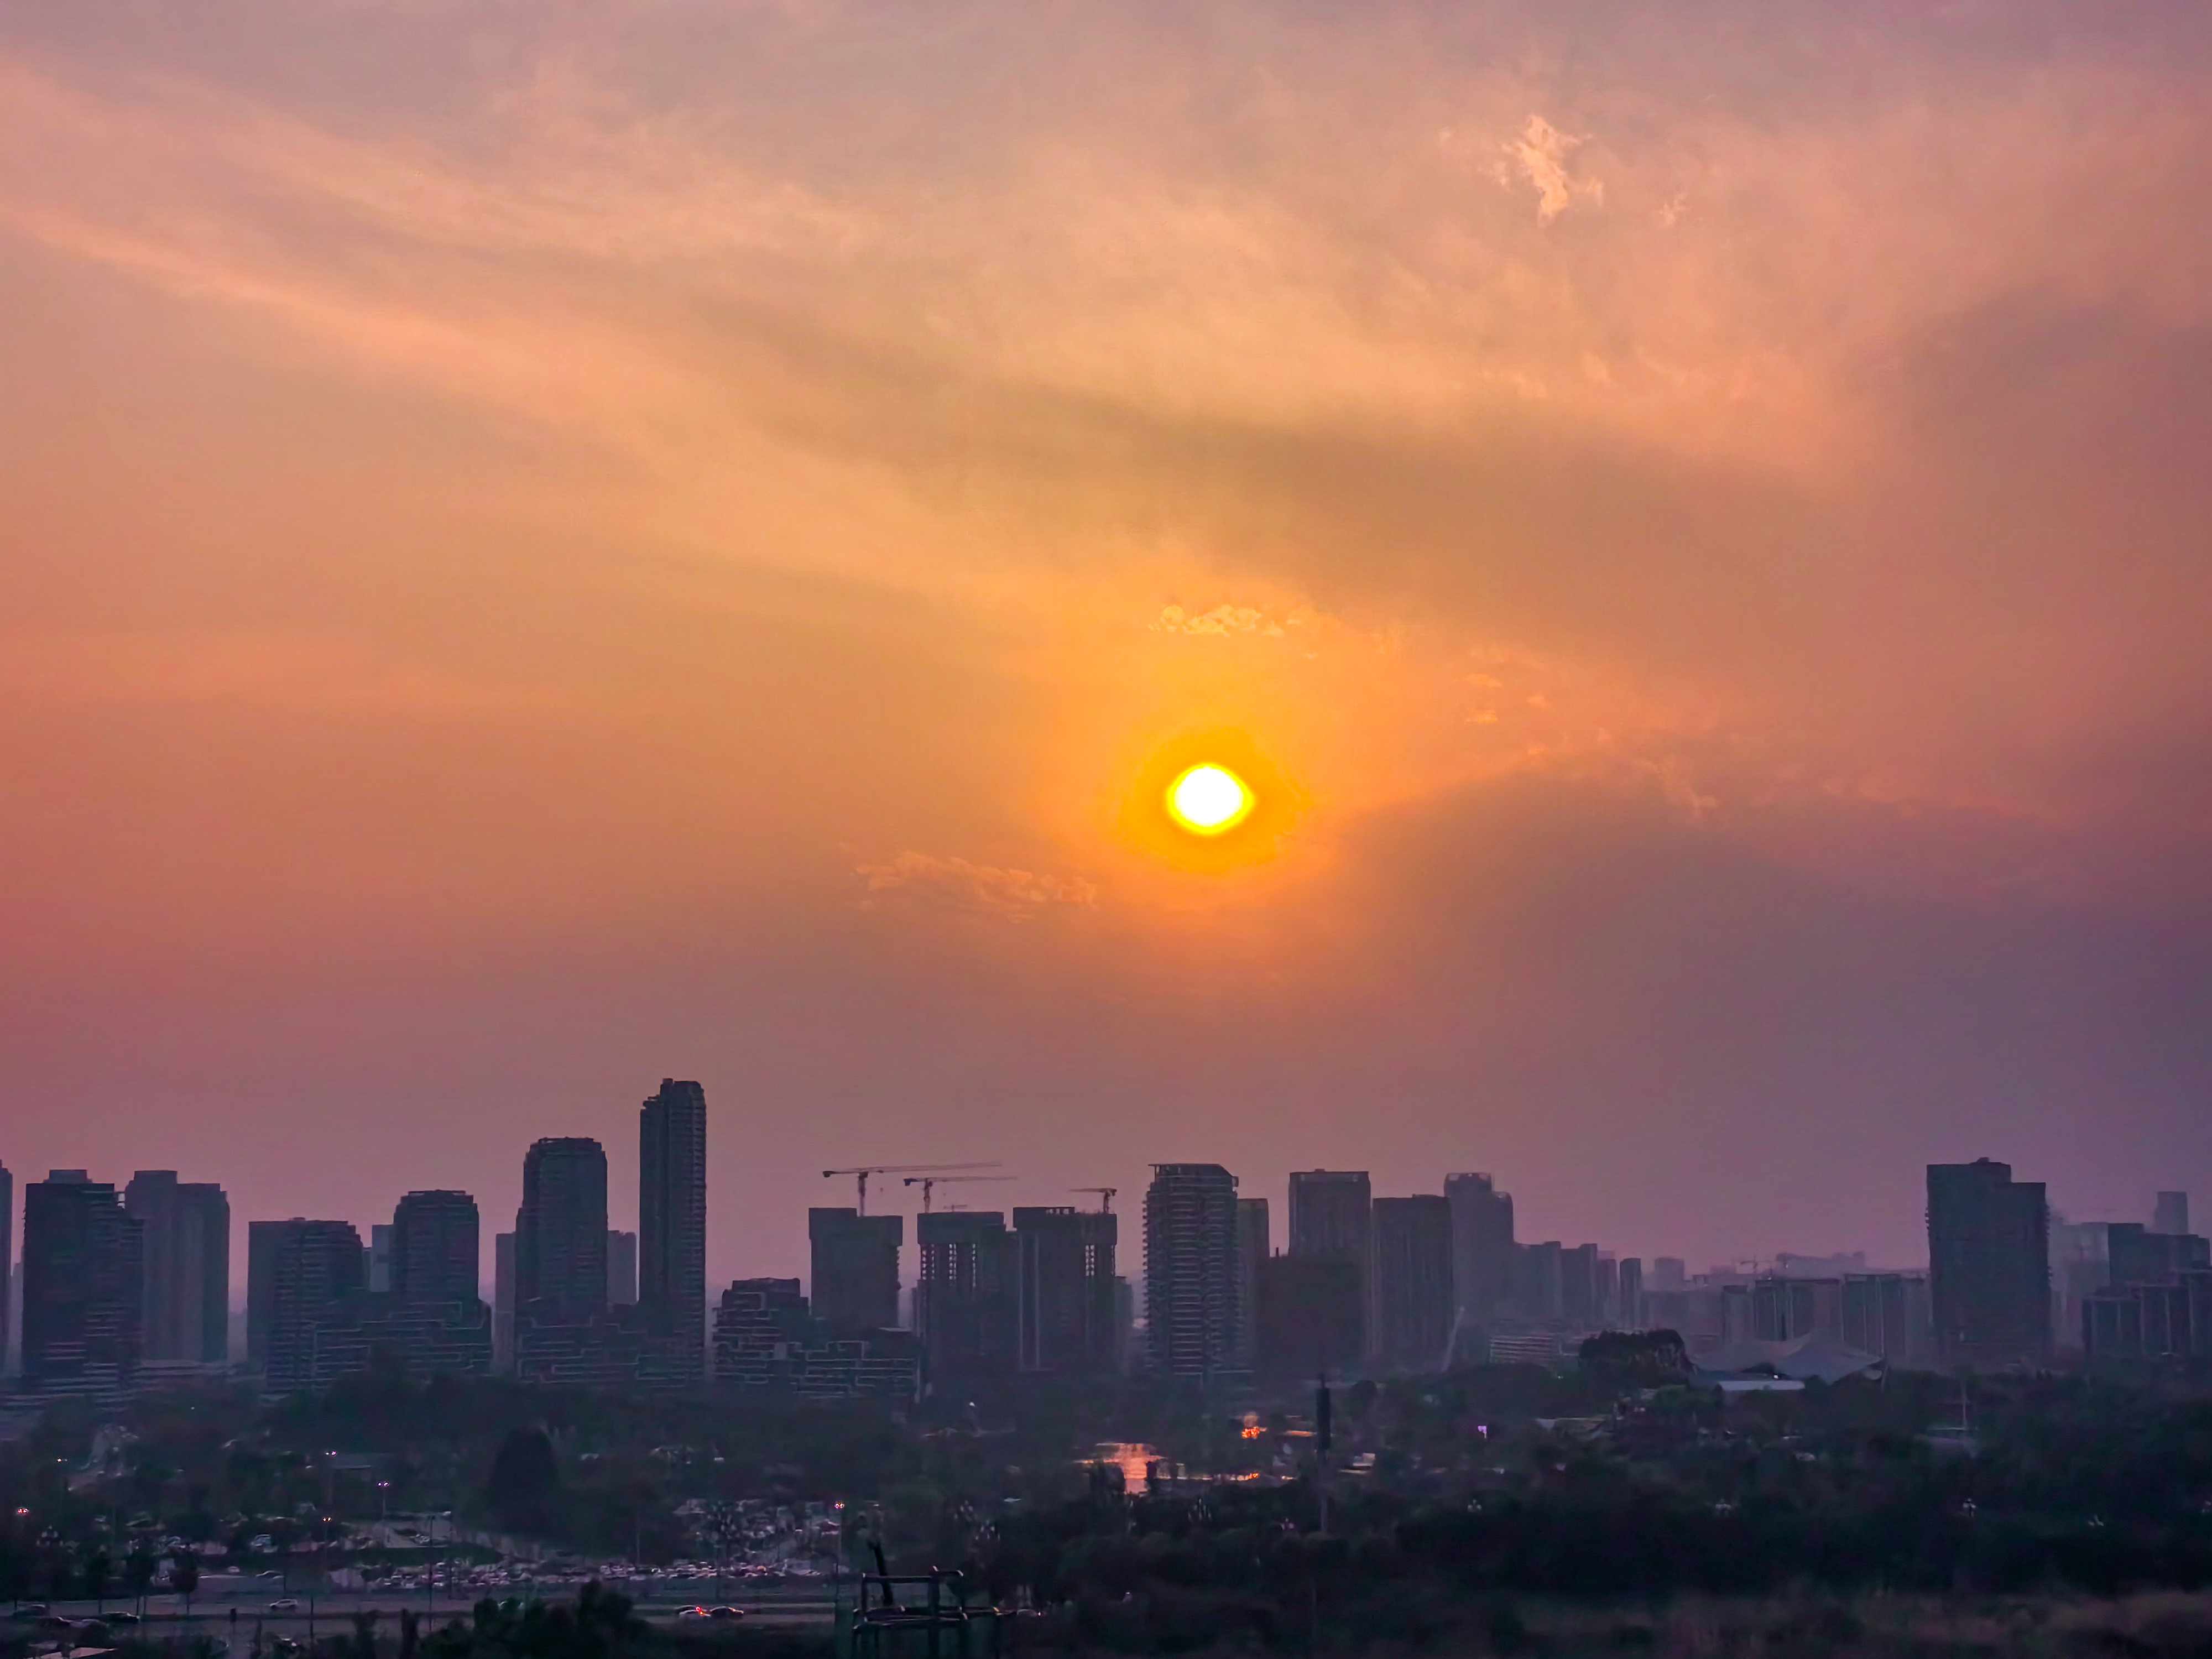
1193, 1321
1578, 1286
436, 1255
594, 1345
83, 1288
1312, 1316
187, 1245
369, 1330
1252, 1249
312, 1265
768, 1344
1539, 1281
672, 1216
622, 1267
855, 1269
1412, 1296
1482, 1247
502, 1304
1784, 1308
561, 1231
967, 1294
1889, 1314
7, 1272
2170, 1213
2134, 1254
1628, 1307
1989, 1265
1332, 1218
1064, 1312
1669, 1272
380, 1257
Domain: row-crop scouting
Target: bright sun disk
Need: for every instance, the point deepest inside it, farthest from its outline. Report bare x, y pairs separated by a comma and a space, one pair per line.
1208, 800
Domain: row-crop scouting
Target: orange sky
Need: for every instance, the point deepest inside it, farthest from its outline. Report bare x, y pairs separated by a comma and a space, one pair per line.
547, 546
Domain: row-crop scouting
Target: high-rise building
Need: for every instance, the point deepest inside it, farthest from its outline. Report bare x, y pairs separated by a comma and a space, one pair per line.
311, 1265
83, 1287
855, 1283
435, 1252
1989, 1265
503, 1301
672, 1216
561, 1231
380, 1257
1193, 1321
1482, 1247
2170, 1213
1332, 1218
1578, 1286
7, 1272
1065, 1289
1887, 1313
185, 1241
1628, 1306
966, 1295
1669, 1272
766, 1341
1311, 1316
1412, 1297
1539, 1281
622, 1267
1252, 1249
2136, 1254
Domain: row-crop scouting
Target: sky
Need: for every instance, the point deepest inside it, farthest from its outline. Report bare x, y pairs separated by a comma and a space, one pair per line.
546, 546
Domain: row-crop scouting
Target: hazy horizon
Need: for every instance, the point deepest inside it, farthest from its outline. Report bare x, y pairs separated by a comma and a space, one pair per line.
543, 548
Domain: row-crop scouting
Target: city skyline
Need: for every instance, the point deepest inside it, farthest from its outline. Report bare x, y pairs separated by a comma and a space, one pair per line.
550, 547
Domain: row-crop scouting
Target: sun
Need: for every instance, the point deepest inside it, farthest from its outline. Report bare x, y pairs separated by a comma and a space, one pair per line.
1208, 800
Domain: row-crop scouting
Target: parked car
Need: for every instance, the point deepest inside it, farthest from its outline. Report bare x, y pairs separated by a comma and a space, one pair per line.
31, 1610
283, 1604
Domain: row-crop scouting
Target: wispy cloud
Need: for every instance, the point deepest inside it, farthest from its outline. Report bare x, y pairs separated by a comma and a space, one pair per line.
1011, 895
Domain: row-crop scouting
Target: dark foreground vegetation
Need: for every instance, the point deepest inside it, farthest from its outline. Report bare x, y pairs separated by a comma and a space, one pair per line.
1500, 1510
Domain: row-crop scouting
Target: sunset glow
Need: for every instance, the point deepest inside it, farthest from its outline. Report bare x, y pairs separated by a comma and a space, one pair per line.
1209, 800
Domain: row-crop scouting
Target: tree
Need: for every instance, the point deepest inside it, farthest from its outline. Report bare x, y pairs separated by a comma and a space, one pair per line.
525, 1485
1635, 1359
138, 1575
184, 1576
99, 1577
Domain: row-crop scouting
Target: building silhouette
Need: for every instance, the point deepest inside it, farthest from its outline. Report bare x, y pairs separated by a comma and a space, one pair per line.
2170, 1213
187, 1245
1332, 1218
768, 1343
502, 1302
1482, 1249
83, 1288
560, 1231
671, 1217
7, 1270
436, 1250
1989, 1267
967, 1294
1412, 1297
311, 1266
855, 1268
1193, 1318
1066, 1322
621, 1267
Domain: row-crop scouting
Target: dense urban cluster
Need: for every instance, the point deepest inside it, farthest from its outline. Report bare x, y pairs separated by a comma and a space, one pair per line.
122, 1289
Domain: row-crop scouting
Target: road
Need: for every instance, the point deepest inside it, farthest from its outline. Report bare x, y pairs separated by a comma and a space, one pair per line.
330, 1613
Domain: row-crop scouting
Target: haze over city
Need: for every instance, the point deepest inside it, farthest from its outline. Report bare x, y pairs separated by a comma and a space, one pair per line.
544, 548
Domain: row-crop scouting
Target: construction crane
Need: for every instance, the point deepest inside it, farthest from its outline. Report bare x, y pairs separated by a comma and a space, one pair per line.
864, 1170
930, 1183
1105, 1196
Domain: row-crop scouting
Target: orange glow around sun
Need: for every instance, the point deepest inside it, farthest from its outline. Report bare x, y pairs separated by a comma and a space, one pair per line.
1208, 800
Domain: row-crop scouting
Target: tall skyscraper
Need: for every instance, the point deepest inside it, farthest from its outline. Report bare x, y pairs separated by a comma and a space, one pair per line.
966, 1295
1065, 1312
380, 1257
1989, 1265
1311, 1316
7, 1271
83, 1287
1482, 1247
1628, 1306
1194, 1324
1412, 1296
2170, 1214
671, 1215
311, 1265
1579, 1287
185, 1242
1332, 1220
855, 1282
435, 1247
561, 1231
1252, 1249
